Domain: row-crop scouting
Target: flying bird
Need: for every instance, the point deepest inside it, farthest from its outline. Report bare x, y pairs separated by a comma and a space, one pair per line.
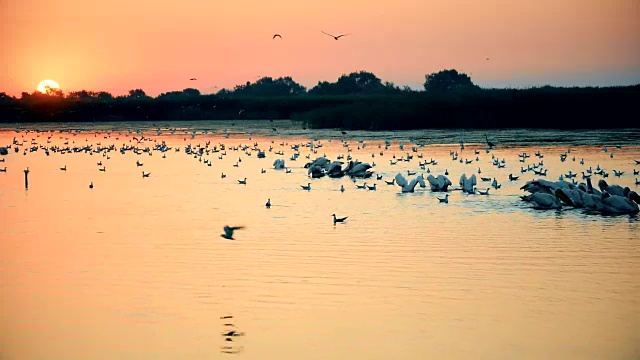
193, 79
277, 35
333, 36
228, 231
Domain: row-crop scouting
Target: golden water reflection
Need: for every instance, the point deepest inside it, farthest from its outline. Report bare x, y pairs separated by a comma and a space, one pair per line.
136, 268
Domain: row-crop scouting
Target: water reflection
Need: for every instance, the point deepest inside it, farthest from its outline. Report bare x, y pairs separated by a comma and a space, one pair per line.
136, 268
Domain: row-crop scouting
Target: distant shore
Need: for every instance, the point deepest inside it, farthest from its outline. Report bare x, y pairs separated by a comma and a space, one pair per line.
536, 108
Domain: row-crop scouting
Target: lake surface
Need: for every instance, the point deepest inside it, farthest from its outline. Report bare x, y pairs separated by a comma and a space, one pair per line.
135, 268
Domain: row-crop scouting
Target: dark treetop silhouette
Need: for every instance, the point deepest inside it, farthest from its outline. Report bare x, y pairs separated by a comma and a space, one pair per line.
359, 100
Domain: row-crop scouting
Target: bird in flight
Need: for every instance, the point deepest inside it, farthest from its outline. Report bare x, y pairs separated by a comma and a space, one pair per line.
277, 35
193, 79
228, 231
333, 36
488, 58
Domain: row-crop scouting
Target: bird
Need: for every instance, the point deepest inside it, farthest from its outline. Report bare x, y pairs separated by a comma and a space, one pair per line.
228, 231
91, 185
308, 187
488, 58
277, 35
193, 79
338, 220
64, 168
223, 176
268, 204
243, 182
145, 175
335, 37
445, 199
342, 188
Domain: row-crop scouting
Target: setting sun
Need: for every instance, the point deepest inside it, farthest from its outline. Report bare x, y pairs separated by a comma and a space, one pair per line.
44, 84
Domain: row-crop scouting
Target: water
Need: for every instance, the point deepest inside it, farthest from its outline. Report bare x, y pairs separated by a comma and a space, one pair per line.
136, 268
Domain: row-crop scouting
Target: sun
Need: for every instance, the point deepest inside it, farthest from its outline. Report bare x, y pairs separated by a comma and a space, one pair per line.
44, 84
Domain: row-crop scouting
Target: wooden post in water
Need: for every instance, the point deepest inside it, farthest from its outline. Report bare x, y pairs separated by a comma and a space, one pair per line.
26, 178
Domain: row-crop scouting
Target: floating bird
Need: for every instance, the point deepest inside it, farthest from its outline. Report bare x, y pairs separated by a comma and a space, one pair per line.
277, 35
243, 182
223, 176
308, 187
145, 175
445, 199
342, 188
486, 192
335, 37
91, 185
268, 204
338, 220
228, 231
64, 168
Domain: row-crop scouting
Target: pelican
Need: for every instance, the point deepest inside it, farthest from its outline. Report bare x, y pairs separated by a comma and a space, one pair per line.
616, 204
544, 201
468, 183
338, 220
440, 183
228, 231
409, 187
611, 189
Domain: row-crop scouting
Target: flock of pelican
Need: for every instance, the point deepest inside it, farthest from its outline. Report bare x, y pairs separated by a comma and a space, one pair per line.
541, 192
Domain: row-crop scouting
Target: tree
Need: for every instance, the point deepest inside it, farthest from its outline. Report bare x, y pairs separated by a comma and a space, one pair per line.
267, 86
447, 80
137, 94
362, 82
103, 95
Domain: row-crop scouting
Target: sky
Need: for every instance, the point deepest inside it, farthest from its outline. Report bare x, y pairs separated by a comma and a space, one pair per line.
118, 45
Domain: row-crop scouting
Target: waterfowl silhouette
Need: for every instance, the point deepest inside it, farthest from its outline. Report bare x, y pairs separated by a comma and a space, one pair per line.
228, 231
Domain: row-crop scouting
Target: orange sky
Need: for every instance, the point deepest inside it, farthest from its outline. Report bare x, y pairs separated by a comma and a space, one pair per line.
118, 45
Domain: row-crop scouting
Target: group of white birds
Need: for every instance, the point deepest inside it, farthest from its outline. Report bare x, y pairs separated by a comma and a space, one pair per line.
543, 194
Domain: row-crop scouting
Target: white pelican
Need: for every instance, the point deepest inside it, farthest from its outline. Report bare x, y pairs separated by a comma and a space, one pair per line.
468, 183
228, 231
611, 189
544, 201
408, 187
615, 204
441, 183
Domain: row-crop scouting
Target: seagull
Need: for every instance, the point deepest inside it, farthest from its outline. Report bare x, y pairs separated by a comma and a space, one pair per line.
145, 175
193, 79
268, 204
308, 187
64, 168
445, 199
243, 182
228, 231
277, 35
338, 220
91, 185
335, 37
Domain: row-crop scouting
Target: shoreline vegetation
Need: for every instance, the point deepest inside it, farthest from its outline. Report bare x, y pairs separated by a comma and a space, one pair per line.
358, 101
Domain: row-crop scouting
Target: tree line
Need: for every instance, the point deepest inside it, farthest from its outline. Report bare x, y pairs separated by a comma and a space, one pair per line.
359, 100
